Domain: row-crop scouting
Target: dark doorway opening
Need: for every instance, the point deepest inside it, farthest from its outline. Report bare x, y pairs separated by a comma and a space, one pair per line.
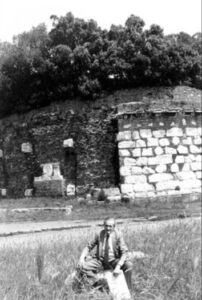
70, 166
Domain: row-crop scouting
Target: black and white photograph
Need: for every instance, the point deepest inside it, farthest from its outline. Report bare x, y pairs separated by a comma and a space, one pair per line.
100, 150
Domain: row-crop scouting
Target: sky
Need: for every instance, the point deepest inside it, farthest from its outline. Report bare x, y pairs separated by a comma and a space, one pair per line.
174, 16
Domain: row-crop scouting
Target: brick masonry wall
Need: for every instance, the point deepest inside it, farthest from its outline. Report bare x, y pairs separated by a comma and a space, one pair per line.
160, 154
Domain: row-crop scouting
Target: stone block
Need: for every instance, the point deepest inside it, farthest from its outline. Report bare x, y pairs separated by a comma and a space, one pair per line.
123, 136
170, 150
126, 145
160, 177
147, 152
200, 131
185, 175
140, 144
186, 167
182, 149
174, 168
160, 160
190, 184
175, 140
189, 158
147, 170
196, 166
194, 149
167, 185
145, 133
136, 170
158, 151
161, 124
197, 141
184, 122
70, 190
159, 133
68, 143
198, 157
143, 187
180, 159
1, 153
124, 152
164, 142
187, 141
136, 152
125, 171
112, 192
26, 147
126, 126
129, 161
135, 135
152, 142
135, 179
175, 131
3, 192
161, 168
126, 188
191, 131
142, 161
28, 193
198, 174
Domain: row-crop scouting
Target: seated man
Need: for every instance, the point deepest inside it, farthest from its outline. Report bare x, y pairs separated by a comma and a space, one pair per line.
111, 253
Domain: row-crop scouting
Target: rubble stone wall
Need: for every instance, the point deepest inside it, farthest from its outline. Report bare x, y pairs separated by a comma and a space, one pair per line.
160, 154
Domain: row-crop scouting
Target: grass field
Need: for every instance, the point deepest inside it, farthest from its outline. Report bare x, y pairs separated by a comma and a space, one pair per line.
172, 270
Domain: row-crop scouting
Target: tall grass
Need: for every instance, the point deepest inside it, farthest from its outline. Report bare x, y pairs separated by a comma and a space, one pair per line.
172, 269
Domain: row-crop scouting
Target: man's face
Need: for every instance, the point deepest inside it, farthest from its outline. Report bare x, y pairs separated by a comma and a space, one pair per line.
109, 226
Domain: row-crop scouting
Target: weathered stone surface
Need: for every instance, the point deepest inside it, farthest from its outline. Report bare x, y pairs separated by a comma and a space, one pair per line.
196, 166
68, 143
111, 192
174, 168
191, 131
134, 179
135, 135
129, 161
136, 152
142, 161
189, 184
200, 131
175, 140
160, 177
199, 157
147, 170
124, 152
123, 136
152, 142
143, 187
126, 144
136, 170
159, 133
126, 188
185, 175
161, 168
158, 150
147, 152
140, 143
194, 149
197, 141
187, 141
180, 159
199, 174
164, 142
70, 190
182, 149
175, 131
170, 150
186, 167
145, 133
160, 160
26, 147
167, 185
189, 158
125, 171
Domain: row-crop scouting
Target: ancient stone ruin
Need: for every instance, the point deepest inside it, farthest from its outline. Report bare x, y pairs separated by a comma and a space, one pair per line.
143, 142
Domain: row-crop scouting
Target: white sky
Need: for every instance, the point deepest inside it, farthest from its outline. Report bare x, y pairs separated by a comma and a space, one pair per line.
17, 16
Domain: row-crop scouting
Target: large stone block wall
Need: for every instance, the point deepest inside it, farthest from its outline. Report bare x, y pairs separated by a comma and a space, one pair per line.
160, 154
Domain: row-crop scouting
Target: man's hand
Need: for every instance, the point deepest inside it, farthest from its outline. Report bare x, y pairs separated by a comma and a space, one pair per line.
81, 262
117, 270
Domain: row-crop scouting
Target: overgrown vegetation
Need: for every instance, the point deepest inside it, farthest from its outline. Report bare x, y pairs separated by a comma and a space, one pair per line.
171, 271
79, 59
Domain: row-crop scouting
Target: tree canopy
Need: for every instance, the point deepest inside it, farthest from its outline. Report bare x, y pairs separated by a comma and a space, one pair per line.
79, 59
